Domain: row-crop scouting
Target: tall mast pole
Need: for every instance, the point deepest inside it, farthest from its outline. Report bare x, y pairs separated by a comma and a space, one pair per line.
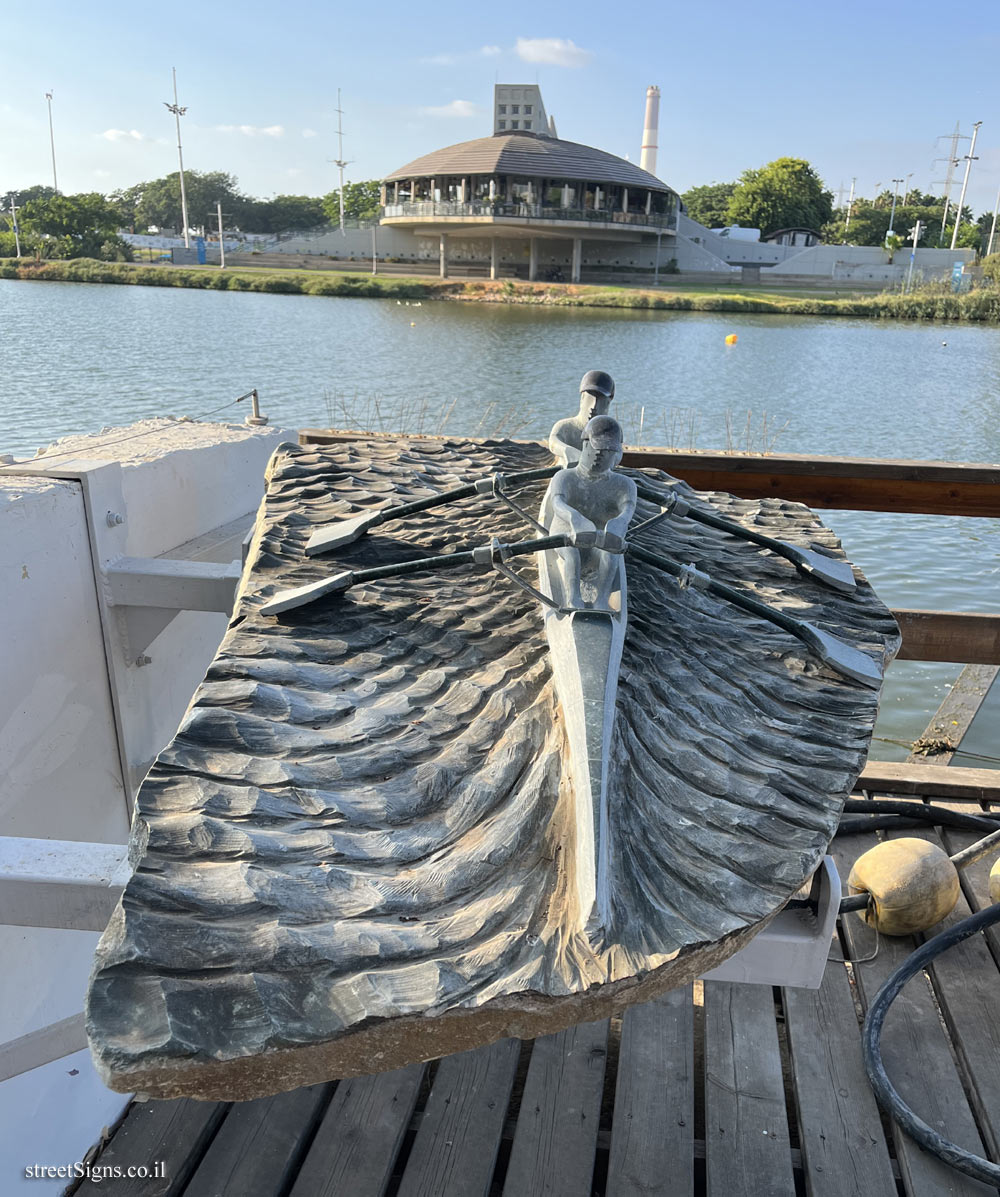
52, 143
178, 112
17, 238
970, 157
339, 161
850, 205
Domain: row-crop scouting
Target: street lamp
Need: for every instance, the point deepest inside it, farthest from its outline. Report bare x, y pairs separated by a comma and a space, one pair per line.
178, 112
52, 143
906, 189
892, 214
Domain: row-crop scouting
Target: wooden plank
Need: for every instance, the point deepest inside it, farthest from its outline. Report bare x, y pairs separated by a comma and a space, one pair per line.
652, 1134
930, 781
961, 636
355, 1148
747, 1148
556, 1138
843, 1147
915, 1050
169, 1137
954, 716
459, 1134
260, 1145
853, 484
966, 984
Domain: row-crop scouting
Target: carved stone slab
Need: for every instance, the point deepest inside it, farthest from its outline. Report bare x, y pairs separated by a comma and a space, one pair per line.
357, 850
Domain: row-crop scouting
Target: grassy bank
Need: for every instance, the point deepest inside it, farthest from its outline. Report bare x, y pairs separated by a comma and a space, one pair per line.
930, 302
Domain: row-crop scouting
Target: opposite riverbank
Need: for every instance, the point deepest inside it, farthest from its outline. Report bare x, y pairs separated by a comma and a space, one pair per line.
930, 302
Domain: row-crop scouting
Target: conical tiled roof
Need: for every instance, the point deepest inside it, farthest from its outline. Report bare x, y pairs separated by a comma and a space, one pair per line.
527, 154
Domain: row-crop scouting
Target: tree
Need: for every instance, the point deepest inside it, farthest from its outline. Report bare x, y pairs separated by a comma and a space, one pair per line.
75, 226
361, 201
283, 213
787, 193
709, 204
160, 202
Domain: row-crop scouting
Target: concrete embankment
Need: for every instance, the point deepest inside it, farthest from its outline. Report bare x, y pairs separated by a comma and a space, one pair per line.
931, 302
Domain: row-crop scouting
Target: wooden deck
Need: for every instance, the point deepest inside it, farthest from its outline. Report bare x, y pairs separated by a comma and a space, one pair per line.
719, 1089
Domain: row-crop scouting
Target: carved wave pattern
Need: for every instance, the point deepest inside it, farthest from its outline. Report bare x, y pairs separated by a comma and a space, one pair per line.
364, 812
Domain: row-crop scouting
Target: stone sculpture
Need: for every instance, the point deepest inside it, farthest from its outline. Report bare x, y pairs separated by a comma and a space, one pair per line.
597, 389
367, 843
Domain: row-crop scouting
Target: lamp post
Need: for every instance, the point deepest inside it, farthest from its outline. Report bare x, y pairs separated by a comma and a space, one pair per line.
970, 157
850, 205
892, 214
178, 112
222, 247
17, 239
52, 143
906, 189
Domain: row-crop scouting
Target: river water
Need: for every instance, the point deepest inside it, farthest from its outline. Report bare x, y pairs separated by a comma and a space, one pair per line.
78, 357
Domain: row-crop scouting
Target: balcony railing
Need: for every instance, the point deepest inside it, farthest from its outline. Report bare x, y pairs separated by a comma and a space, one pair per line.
500, 208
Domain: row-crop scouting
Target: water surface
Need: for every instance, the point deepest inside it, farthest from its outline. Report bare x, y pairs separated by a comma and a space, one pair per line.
78, 357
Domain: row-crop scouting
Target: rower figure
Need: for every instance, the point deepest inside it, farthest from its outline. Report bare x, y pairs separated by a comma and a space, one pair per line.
593, 506
597, 389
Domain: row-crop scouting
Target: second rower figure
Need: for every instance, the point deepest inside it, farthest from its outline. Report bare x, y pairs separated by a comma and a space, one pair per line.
597, 389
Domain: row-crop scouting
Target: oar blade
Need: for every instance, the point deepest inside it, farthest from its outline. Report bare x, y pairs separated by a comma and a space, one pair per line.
336, 535
836, 574
842, 657
300, 596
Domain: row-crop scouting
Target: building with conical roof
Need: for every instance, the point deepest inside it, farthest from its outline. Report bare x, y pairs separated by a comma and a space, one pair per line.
523, 193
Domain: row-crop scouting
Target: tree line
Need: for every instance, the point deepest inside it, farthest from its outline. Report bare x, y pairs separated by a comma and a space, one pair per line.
88, 224
788, 193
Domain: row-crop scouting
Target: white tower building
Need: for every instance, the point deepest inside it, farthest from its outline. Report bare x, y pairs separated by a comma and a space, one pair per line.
647, 159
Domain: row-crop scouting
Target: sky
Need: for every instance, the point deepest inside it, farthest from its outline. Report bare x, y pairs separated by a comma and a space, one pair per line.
862, 90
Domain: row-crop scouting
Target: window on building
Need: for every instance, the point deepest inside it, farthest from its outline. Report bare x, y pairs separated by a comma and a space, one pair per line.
515, 124
502, 124
527, 110
527, 124
515, 108
502, 108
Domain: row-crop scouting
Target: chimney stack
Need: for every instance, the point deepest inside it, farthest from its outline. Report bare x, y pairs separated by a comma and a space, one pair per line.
647, 159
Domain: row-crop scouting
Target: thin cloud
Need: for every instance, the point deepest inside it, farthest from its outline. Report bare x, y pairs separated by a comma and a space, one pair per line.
309, 133
122, 135
453, 59
253, 130
552, 51
457, 108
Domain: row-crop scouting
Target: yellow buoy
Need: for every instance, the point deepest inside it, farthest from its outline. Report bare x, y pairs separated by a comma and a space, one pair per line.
413, 324
995, 881
913, 885
732, 339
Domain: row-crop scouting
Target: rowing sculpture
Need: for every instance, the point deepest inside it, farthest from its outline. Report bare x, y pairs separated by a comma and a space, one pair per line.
449, 780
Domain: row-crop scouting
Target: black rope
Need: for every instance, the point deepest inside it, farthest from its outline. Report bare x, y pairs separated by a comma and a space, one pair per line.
885, 1094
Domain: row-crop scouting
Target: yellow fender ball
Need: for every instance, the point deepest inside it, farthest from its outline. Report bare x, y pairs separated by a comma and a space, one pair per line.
732, 339
913, 885
995, 881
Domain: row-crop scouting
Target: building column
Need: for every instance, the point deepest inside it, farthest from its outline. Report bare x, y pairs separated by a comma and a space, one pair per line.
493, 258
413, 190
461, 192
493, 188
649, 202
532, 259
395, 194
443, 255
598, 199
624, 199
577, 259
